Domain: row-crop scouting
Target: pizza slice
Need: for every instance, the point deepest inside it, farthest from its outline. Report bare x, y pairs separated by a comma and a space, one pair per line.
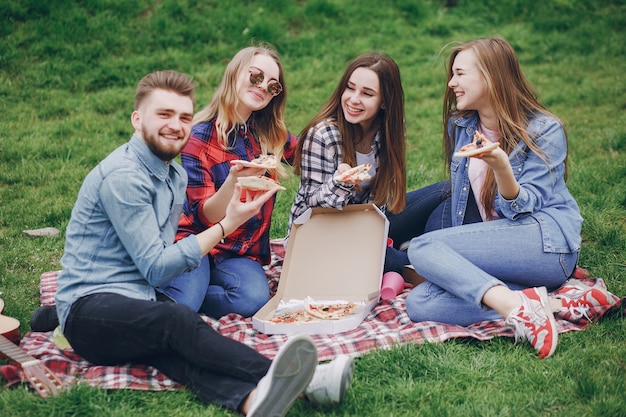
357, 173
479, 145
258, 183
293, 316
330, 311
266, 161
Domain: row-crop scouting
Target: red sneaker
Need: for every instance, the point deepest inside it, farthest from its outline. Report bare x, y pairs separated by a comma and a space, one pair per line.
580, 273
534, 321
581, 303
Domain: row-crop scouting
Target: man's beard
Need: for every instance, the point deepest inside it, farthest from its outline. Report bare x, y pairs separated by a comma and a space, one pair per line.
162, 152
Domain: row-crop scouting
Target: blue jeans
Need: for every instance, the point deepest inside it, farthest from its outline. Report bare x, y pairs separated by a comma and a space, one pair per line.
190, 287
425, 210
238, 285
111, 329
232, 285
461, 263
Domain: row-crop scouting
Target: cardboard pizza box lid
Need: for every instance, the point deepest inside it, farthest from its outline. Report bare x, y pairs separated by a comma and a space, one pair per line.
331, 255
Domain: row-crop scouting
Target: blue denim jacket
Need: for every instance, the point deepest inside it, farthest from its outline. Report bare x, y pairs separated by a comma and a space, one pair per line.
120, 237
543, 194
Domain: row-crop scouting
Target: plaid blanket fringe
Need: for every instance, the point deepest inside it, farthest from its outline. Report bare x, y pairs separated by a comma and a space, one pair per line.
386, 326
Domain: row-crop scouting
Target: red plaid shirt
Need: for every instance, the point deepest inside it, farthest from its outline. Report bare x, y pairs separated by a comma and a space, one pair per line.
207, 164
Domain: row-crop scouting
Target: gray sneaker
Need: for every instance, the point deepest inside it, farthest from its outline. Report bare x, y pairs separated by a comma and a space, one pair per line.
289, 374
331, 381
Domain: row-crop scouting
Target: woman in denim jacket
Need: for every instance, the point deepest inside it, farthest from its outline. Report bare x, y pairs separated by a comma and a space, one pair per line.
515, 226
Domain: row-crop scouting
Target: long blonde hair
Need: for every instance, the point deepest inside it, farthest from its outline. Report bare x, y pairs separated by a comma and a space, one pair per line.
512, 96
389, 184
268, 123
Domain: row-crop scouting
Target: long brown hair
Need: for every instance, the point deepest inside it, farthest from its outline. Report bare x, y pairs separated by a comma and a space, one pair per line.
512, 96
389, 184
268, 122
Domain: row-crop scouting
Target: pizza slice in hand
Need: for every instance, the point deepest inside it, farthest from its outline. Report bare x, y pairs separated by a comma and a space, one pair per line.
356, 174
479, 145
267, 161
258, 183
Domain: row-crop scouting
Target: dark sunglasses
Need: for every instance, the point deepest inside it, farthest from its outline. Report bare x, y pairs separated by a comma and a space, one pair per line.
256, 78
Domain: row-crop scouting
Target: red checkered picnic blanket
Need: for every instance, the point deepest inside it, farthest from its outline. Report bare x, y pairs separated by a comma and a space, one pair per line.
386, 326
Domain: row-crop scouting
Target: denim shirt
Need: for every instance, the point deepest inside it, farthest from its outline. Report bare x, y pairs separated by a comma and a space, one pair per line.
543, 194
120, 235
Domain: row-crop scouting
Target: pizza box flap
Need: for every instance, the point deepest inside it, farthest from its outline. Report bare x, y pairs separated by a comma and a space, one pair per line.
331, 255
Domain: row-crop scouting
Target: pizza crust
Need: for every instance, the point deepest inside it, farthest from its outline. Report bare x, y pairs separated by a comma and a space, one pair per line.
263, 161
293, 316
258, 183
330, 311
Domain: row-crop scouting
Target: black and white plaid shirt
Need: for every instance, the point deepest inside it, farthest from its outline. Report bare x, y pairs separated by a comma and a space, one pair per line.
321, 155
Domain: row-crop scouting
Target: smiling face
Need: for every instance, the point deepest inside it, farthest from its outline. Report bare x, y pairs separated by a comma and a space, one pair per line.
256, 97
361, 99
163, 122
468, 84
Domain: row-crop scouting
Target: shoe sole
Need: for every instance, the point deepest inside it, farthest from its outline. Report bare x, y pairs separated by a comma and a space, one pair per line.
609, 298
347, 363
545, 303
596, 301
291, 372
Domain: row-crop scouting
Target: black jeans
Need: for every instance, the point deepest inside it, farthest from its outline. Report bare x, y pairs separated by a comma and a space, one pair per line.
425, 211
110, 329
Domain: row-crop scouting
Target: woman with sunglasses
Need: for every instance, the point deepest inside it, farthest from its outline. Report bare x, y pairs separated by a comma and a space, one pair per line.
363, 122
243, 120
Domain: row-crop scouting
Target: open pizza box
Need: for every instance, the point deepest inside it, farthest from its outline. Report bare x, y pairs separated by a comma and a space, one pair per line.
333, 256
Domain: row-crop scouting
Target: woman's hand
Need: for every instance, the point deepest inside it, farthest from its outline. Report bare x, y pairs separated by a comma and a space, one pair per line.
499, 162
343, 167
497, 159
237, 212
241, 209
215, 207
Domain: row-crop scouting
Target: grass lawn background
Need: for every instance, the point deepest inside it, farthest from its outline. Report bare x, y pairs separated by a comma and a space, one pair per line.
68, 71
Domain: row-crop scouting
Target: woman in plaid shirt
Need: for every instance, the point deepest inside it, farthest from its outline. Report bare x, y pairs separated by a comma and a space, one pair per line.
363, 122
243, 120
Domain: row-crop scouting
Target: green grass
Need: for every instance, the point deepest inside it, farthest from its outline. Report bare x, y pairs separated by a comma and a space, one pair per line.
68, 70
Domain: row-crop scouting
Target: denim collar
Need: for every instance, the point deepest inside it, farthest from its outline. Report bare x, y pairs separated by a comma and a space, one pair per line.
156, 166
468, 122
